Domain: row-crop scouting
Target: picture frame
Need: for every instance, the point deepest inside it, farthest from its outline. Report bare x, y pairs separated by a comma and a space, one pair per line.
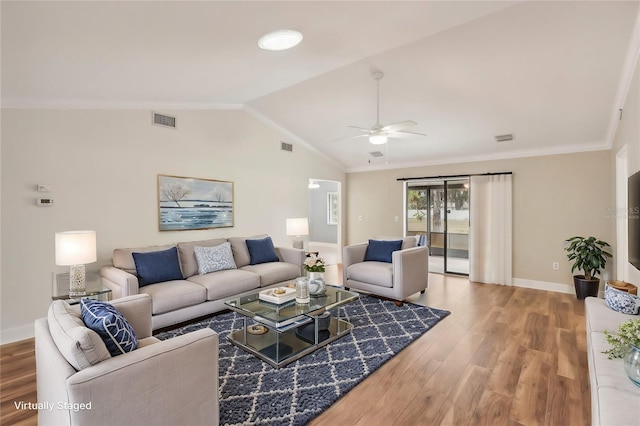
188, 203
332, 208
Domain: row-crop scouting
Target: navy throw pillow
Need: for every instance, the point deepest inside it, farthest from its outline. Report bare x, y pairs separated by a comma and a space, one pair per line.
380, 251
110, 324
262, 251
157, 266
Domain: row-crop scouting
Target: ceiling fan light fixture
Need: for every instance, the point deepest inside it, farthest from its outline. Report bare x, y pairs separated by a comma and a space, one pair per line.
378, 138
280, 40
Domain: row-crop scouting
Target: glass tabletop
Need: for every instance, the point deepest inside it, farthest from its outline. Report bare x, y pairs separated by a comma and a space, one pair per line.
286, 313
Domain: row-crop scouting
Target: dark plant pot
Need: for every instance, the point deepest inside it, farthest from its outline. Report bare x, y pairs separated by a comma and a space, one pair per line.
586, 288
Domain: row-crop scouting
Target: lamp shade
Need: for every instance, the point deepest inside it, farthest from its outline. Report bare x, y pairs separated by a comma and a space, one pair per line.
297, 226
75, 247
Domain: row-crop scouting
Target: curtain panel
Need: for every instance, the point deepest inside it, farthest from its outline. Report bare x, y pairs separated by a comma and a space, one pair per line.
490, 235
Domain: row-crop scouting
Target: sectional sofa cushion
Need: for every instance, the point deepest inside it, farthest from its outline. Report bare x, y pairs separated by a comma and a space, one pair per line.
212, 259
261, 251
172, 295
380, 250
123, 257
274, 272
157, 266
80, 346
240, 250
188, 257
227, 283
110, 324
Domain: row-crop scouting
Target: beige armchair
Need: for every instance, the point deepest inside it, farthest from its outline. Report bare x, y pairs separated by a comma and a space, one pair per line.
168, 382
407, 273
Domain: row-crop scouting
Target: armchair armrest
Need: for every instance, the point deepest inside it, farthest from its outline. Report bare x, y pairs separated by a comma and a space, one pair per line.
174, 381
137, 310
120, 282
291, 255
353, 254
411, 268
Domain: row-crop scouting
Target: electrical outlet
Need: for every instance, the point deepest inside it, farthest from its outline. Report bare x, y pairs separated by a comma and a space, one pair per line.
556, 266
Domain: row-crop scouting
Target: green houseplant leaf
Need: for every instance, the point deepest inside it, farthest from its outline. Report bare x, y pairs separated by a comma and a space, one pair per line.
588, 254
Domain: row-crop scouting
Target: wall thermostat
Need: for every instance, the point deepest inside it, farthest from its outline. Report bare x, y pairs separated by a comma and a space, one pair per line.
45, 201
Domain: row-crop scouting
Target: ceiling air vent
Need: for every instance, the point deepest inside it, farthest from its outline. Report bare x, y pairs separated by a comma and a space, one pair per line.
376, 154
164, 120
504, 138
286, 146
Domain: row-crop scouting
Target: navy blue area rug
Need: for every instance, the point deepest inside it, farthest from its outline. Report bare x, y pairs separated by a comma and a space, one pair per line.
252, 392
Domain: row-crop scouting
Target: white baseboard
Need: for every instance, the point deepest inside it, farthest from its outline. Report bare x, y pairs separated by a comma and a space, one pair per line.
544, 285
16, 334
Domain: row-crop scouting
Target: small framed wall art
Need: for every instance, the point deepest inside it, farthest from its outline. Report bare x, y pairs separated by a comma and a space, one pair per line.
186, 203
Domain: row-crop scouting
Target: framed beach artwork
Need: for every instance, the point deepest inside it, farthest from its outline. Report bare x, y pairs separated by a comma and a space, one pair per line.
186, 203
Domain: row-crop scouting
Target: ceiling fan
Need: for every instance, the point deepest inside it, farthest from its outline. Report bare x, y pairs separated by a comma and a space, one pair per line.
379, 134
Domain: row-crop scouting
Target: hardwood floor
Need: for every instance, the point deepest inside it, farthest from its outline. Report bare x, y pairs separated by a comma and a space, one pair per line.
505, 356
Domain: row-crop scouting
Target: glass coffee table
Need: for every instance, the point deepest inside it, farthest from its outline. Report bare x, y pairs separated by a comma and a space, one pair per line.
282, 333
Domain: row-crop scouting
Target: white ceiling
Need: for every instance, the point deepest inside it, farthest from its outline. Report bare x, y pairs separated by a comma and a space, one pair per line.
549, 72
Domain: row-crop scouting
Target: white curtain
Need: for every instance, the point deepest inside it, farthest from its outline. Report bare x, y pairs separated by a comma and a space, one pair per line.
491, 231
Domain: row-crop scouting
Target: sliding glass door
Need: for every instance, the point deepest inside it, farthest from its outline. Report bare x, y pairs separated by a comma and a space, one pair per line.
438, 212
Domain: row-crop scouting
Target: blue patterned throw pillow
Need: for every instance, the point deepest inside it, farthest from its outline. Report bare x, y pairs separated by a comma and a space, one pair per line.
262, 251
108, 322
381, 250
621, 301
216, 258
157, 266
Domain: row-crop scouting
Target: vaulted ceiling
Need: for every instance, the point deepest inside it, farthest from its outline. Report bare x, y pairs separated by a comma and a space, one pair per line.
551, 73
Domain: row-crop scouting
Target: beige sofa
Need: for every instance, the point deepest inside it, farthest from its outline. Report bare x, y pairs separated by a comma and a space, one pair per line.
166, 382
197, 295
407, 274
615, 400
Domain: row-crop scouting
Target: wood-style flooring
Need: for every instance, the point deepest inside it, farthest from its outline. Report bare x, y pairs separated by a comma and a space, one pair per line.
505, 356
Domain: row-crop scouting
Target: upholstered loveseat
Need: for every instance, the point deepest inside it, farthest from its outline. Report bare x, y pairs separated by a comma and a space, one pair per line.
191, 293
167, 382
615, 400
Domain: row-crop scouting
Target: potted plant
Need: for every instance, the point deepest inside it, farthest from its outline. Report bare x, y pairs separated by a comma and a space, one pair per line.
589, 255
626, 344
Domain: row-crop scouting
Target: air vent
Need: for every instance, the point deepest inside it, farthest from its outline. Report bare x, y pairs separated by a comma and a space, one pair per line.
504, 138
286, 146
164, 120
376, 154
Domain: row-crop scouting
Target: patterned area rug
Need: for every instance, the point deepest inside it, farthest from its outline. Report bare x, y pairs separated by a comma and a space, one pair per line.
252, 392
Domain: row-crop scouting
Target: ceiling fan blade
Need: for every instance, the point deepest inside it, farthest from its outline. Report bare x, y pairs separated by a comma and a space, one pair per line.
395, 127
359, 128
410, 133
350, 137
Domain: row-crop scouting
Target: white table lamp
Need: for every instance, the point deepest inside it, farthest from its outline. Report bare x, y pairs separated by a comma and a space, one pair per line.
75, 249
297, 227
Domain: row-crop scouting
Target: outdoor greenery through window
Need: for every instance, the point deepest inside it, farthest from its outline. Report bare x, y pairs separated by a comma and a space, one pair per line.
438, 210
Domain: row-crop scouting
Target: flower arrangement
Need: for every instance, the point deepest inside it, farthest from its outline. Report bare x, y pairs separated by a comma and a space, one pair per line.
313, 264
628, 334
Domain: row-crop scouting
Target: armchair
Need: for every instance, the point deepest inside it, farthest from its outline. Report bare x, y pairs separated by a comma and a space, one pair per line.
407, 273
166, 382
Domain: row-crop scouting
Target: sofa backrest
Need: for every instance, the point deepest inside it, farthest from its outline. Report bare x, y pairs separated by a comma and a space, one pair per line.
123, 258
240, 251
187, 254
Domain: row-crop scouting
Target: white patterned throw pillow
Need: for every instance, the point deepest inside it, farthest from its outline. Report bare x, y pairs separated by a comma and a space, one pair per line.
216, 258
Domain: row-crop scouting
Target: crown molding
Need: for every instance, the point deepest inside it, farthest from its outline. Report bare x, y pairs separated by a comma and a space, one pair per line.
489, 157
17, 103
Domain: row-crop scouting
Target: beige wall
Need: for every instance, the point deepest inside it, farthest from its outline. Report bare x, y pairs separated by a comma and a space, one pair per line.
628, 137
102, 166
554, 198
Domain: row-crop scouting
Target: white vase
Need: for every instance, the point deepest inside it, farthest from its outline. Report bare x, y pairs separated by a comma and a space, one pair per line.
316, 283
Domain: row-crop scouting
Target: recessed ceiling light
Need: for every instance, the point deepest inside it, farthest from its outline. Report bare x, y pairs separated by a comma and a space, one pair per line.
280, 40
